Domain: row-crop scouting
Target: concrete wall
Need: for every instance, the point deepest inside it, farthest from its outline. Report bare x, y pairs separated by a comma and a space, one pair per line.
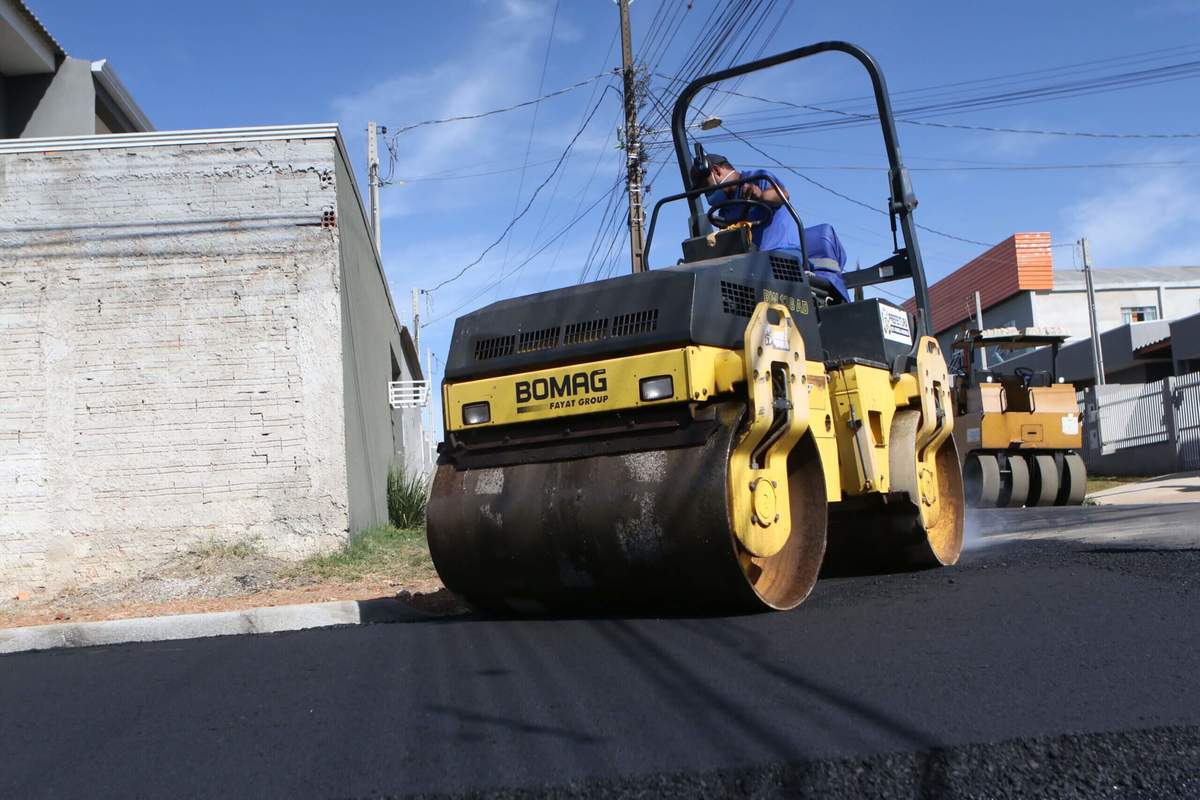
170, 356
1146, 460
1069, 308
375, 433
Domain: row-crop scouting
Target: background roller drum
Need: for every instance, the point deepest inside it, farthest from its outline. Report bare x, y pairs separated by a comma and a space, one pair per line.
1016, 483
1073, 483
981, 480
647, 529
1043, 484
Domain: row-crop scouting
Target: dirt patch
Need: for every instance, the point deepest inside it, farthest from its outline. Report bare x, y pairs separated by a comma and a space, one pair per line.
382, 562
1098, 483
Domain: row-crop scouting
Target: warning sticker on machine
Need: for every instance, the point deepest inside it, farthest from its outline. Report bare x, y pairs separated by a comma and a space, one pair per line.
895, 324
776, 340
1070, 424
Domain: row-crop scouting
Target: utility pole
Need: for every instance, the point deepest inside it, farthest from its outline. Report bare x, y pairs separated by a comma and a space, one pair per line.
1097, 348
427, 445
979, 322
373, 182
633, 145
416, 329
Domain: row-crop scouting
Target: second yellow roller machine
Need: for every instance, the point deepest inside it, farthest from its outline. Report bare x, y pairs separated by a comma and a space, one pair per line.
706, 436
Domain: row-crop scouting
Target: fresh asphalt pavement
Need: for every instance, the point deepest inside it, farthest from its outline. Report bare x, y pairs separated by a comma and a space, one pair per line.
1060, 657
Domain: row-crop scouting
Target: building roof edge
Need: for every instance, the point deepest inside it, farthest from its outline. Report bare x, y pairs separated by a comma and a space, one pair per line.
106, 79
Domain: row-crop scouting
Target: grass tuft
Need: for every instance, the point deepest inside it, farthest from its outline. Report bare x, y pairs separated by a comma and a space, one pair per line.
381, 551
407, 494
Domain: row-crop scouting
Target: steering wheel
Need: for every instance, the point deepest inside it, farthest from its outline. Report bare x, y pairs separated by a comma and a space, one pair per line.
1024, 373
745, 202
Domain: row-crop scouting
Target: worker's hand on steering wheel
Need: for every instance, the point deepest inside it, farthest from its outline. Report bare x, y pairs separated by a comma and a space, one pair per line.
747, 204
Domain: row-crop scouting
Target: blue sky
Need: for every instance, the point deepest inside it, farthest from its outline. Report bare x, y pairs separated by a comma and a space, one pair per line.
221, 64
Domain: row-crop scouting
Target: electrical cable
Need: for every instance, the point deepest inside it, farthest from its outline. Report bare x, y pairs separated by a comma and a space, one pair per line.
963, 126
847, 197
532, 197
996, 168
390, 141
533, 126
561, 232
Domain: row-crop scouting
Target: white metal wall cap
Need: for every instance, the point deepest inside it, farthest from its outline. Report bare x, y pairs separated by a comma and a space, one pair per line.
327, 130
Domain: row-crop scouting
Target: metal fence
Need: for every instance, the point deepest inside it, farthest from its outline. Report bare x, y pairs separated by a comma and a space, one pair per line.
1156, 424
1187, 419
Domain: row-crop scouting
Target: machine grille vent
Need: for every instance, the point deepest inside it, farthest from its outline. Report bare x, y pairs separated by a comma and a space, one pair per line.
635, 323
544, 339
786, 269
737, 299
493, 348
590, 331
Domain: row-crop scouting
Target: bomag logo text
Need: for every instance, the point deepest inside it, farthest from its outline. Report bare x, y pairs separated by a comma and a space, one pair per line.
566, 391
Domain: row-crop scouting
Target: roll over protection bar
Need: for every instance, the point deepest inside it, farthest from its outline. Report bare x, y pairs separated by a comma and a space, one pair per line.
901, 201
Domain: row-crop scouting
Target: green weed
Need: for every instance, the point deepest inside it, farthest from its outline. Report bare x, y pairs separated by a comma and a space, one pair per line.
407, 495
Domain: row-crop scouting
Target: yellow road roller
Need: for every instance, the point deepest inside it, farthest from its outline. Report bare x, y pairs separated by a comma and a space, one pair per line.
1018, 431
707, 436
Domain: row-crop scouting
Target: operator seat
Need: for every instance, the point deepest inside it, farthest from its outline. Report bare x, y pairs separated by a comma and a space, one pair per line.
827, 258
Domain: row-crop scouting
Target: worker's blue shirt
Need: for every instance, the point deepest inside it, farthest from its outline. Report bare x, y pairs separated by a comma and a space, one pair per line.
825, 254
781, 234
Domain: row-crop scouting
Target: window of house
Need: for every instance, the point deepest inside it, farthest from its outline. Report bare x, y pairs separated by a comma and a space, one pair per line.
1138, 314
396, 373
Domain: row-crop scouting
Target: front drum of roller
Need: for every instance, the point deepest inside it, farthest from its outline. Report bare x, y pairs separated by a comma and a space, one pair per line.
642, 531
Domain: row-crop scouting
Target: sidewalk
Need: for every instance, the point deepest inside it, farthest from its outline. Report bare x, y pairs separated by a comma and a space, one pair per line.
273, 619
1181, 487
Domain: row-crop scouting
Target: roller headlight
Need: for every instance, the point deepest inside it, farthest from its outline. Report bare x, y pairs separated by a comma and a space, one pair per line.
660, 387
477, 413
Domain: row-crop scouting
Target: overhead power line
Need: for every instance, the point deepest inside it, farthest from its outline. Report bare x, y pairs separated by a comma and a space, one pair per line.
494, 111
533, 123
955, 125
847, 197
503, 234
964, 89
994, 168
518, 267
1085, 134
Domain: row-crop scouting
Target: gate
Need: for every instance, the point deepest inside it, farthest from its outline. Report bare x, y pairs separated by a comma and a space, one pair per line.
1186, 402
1154, 423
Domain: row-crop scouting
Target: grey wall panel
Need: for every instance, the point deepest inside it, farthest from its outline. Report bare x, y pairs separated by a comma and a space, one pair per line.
65, 107
376, 435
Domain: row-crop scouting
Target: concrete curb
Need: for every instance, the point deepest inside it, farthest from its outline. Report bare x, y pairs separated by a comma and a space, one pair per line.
271, 619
